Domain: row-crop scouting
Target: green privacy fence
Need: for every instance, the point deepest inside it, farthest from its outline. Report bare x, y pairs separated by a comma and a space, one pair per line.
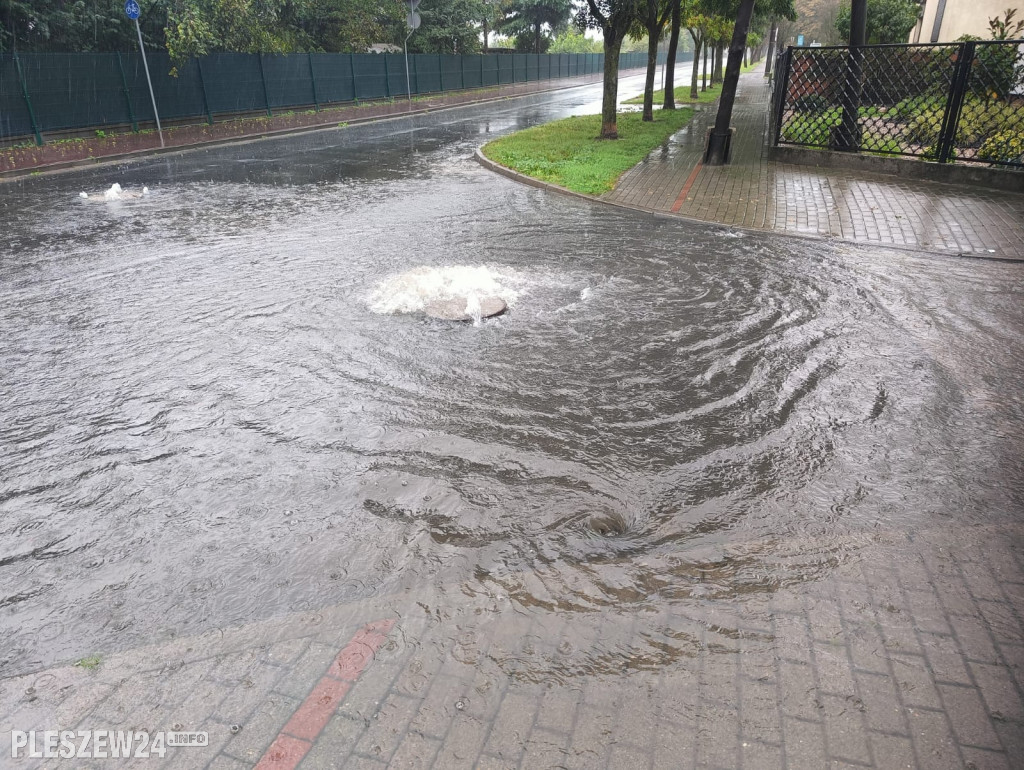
58, 92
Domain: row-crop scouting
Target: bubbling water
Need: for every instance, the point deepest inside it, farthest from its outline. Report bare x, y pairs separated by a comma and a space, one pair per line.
414, 290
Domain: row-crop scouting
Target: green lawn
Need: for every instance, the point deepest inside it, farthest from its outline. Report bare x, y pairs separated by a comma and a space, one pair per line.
568, 152
682, 95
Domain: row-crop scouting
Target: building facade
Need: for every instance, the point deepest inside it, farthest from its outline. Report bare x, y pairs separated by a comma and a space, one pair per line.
943, 21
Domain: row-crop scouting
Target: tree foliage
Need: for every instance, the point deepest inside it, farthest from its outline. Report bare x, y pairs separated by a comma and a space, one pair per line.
76, 25
532, 22
1006, 28
889, 21
449, 26
187, 28
573, 41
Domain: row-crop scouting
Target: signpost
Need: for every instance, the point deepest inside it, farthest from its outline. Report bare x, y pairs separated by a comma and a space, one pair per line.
132, 11
412, 21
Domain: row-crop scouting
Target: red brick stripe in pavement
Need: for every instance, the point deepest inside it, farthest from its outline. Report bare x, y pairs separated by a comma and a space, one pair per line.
296, 738
686, 188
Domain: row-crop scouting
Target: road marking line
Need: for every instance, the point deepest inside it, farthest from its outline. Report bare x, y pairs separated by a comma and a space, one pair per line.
686, 187
296, 738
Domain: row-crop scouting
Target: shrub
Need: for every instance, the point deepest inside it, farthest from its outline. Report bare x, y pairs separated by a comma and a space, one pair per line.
918, 105
812, 129
1004, 147
978, 121
923, 128
811, 103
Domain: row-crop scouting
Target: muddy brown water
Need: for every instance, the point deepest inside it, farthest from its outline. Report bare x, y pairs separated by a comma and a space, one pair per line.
205, 424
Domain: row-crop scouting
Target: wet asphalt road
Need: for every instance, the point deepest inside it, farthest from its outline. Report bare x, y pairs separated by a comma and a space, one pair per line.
206, 420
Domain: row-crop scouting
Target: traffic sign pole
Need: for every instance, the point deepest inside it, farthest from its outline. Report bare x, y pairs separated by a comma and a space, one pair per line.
132, 11
412, 21
408, 87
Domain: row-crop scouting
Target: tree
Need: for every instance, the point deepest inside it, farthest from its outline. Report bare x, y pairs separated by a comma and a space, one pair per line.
492, 16
702, 28
345, 26
718, 139
75, 25
197, 27
189, 28
449, 26
669, 102
613, 18
527, 19
652, 20
889, 21
573, 41
720, 35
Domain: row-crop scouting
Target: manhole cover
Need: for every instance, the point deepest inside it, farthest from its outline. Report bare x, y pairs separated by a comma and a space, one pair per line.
454, 309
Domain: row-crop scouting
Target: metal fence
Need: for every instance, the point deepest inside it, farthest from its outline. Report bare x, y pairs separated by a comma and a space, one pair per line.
42, 93
953, 102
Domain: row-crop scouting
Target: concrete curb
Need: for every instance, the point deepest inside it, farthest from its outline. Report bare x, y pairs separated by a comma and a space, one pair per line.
489, 164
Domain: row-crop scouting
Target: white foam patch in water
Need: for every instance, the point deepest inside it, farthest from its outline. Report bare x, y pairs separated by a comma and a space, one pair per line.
413, 290
114, 193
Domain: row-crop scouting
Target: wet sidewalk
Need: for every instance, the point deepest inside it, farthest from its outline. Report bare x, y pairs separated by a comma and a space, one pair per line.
910, 654
863, 207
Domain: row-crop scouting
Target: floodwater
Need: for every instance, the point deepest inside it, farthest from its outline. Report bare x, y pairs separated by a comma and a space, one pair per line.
210, 413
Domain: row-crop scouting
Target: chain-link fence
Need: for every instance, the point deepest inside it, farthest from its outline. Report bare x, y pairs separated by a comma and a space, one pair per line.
946, 102
42, 93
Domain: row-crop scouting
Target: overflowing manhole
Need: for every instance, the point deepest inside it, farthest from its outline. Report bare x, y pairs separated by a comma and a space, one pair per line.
449, 292
462, 308
114, 193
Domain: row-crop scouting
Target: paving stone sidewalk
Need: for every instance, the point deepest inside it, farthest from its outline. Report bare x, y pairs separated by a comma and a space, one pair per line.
908, 654
866, 208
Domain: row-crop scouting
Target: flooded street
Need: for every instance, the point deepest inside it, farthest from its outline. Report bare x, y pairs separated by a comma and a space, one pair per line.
209, 415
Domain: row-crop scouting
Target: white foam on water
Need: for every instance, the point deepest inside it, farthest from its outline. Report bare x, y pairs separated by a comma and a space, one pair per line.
114, 193
413, 290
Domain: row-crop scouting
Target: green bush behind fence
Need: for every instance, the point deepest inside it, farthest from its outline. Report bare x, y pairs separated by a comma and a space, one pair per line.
41, 92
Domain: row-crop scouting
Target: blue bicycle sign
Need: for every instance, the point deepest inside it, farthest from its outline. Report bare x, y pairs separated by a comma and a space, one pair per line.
131, 9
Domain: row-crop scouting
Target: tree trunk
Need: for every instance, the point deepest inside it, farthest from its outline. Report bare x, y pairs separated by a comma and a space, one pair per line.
704, 77
536, 39
485, 35
697, 45
770, 56
718, 141
670, 61
610, 97
847, 138
652, 64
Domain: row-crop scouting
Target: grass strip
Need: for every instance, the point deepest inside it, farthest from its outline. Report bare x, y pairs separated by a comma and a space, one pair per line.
568, 152
682, 95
